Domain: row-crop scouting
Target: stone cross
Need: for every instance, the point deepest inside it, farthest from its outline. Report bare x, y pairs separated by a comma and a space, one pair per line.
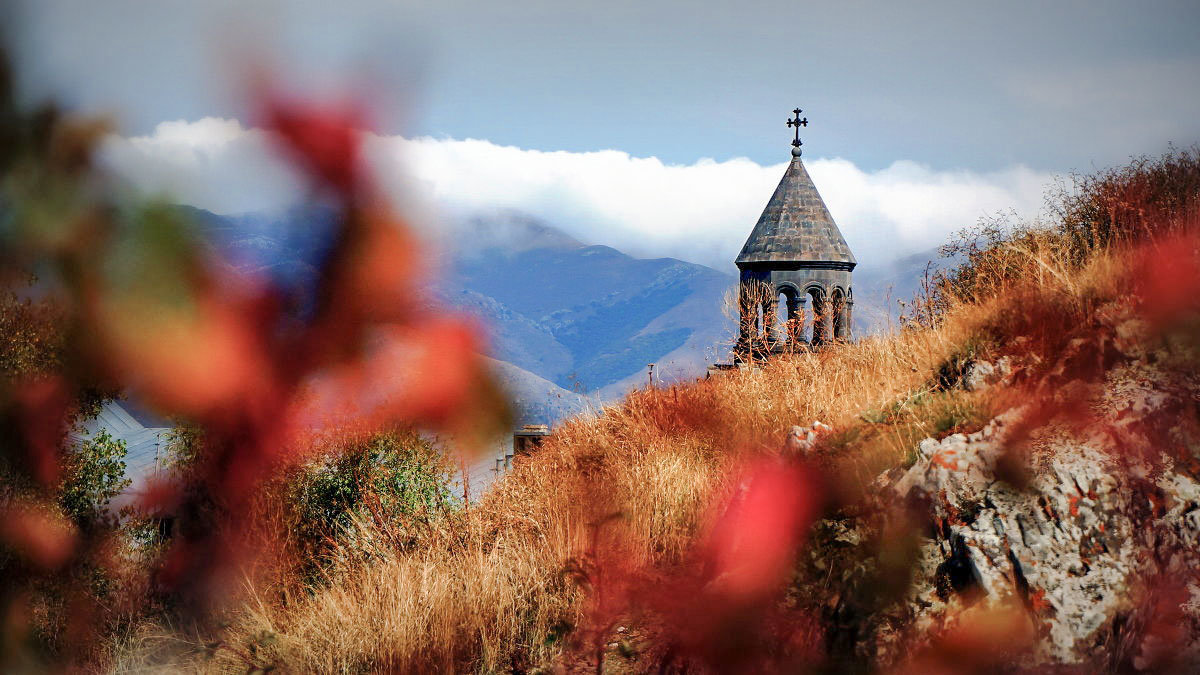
797, 123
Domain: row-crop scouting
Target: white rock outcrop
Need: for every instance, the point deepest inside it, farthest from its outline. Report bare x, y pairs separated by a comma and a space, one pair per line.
1100, 515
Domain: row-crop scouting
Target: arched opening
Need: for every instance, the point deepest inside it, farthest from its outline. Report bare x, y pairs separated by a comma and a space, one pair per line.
783, 316
840, 327
790, 327
757, 309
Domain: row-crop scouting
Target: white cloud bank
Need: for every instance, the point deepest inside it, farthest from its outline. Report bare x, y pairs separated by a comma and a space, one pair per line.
700, 212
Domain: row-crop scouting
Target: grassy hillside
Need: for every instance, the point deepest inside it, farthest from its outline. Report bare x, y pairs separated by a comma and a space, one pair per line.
696, 526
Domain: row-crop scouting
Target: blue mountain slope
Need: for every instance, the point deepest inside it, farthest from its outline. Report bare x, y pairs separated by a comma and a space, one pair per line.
596, 302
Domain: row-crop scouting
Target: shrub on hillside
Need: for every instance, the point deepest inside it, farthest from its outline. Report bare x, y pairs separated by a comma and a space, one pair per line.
393, 479
1144, 200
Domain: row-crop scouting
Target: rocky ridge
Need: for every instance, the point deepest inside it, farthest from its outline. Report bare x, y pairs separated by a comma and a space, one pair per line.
1077, 518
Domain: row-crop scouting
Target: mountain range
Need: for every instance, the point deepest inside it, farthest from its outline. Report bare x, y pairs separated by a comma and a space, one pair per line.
571, 325
588, 318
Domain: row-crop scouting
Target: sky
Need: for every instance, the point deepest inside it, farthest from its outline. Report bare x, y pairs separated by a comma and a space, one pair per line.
653, 126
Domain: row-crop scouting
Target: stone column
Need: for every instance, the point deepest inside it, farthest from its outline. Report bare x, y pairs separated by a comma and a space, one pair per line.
820, 325
795, 324
769, 320
838, 313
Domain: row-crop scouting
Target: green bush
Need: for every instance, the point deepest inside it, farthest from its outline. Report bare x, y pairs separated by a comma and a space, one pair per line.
93, 473
397, 480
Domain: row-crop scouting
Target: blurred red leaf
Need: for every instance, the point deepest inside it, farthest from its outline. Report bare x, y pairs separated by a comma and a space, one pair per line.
38, 535
1171, 277
726, 614
385, 267
978, 639
753, 544
425, 373
43, 405
187, 361
326, 140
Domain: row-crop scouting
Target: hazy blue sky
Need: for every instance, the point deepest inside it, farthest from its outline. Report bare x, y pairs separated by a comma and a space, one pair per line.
1051, 85
655, 127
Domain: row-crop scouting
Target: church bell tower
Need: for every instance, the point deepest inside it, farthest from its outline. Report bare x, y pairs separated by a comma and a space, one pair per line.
795, 287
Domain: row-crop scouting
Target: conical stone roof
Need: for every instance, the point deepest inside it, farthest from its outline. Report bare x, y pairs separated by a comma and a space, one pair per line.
796, 226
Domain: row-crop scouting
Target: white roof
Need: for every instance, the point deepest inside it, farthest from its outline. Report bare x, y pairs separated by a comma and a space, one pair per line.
144, 446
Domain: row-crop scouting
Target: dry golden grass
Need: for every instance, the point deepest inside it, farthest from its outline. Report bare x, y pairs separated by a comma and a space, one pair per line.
490, 585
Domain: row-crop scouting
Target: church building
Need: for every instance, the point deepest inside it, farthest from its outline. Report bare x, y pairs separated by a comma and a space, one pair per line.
795, 287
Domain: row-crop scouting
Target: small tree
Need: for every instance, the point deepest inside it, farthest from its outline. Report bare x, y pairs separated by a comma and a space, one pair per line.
93, 473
